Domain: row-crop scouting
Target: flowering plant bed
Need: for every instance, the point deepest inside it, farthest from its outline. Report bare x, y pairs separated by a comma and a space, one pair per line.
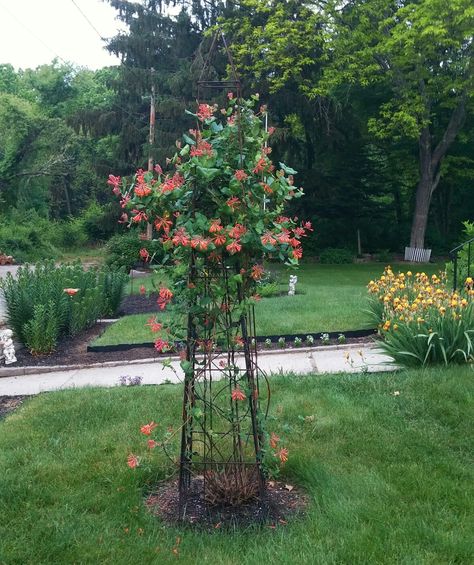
423, 322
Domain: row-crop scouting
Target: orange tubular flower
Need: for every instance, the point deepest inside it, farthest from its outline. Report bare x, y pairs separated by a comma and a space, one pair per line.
257, 272
164, 297
148, 428
154, 325
238, 394
205, 112
132, 461
161, 345
215, 226
282, 455
233, 202
274, 439
240, 175
234, 247
71, 291
144, 255
237, 231
220, 239
163, 224
268, 239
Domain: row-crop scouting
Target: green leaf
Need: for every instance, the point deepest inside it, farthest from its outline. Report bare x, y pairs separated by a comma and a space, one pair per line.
188, 140
288, 170
187, 367
207, 172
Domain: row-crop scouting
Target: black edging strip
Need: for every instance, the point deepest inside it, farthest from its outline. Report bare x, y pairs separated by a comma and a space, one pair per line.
260, 339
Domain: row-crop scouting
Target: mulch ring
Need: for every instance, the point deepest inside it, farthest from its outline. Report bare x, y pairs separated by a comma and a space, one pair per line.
283, 502
9, 404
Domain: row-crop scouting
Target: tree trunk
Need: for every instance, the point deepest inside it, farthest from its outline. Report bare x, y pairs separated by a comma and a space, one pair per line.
423, 192
430, 172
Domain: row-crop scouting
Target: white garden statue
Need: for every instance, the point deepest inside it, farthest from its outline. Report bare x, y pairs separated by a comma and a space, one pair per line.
292, 285
7, 349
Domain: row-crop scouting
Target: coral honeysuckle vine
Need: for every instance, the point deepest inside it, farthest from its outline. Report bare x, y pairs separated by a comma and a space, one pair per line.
218, 209
221, 198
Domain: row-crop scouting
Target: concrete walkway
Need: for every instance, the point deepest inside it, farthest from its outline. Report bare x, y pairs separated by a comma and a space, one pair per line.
331, 359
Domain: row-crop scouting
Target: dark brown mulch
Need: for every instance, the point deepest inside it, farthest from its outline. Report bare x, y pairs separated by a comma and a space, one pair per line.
73, 351
138, 304
9, 404
283, 501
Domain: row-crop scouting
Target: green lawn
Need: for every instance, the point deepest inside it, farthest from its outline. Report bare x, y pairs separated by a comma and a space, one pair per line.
333, 298
390, 478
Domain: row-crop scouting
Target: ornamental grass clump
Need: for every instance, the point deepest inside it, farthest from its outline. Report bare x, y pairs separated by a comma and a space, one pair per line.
421, 320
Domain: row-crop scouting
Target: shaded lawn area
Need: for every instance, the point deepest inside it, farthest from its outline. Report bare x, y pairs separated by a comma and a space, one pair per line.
390, 477
329, 298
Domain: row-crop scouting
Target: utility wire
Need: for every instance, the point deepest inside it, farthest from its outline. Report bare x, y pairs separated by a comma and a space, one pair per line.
88, 21
34, 35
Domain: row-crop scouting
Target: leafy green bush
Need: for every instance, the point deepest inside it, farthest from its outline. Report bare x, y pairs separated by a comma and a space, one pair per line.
384, 256
336, 256
27, 236
421, 320
37, 298
100, 221
269, 289
123, 250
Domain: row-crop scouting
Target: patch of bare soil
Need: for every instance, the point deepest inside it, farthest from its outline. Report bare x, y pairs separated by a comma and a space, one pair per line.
281, 503
9, 404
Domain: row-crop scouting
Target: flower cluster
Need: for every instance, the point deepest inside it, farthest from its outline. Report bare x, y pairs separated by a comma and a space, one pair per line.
418, 298
241, 201
422, 320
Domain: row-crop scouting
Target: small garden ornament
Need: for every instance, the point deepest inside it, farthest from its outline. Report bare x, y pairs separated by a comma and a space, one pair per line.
7, 349
292, 285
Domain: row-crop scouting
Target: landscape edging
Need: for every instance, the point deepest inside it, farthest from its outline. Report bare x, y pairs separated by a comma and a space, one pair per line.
260, 339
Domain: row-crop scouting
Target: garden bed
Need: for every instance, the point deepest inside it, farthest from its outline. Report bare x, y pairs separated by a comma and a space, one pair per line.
73, 351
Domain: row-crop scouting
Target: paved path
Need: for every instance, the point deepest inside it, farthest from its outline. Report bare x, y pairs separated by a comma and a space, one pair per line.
330, 359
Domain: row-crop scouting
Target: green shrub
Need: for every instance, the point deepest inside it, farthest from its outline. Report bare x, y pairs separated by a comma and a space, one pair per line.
421, 320
38, 294
69, 234
123, 250
336, 256
269, 289
27, 236
100, 221
384, 256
